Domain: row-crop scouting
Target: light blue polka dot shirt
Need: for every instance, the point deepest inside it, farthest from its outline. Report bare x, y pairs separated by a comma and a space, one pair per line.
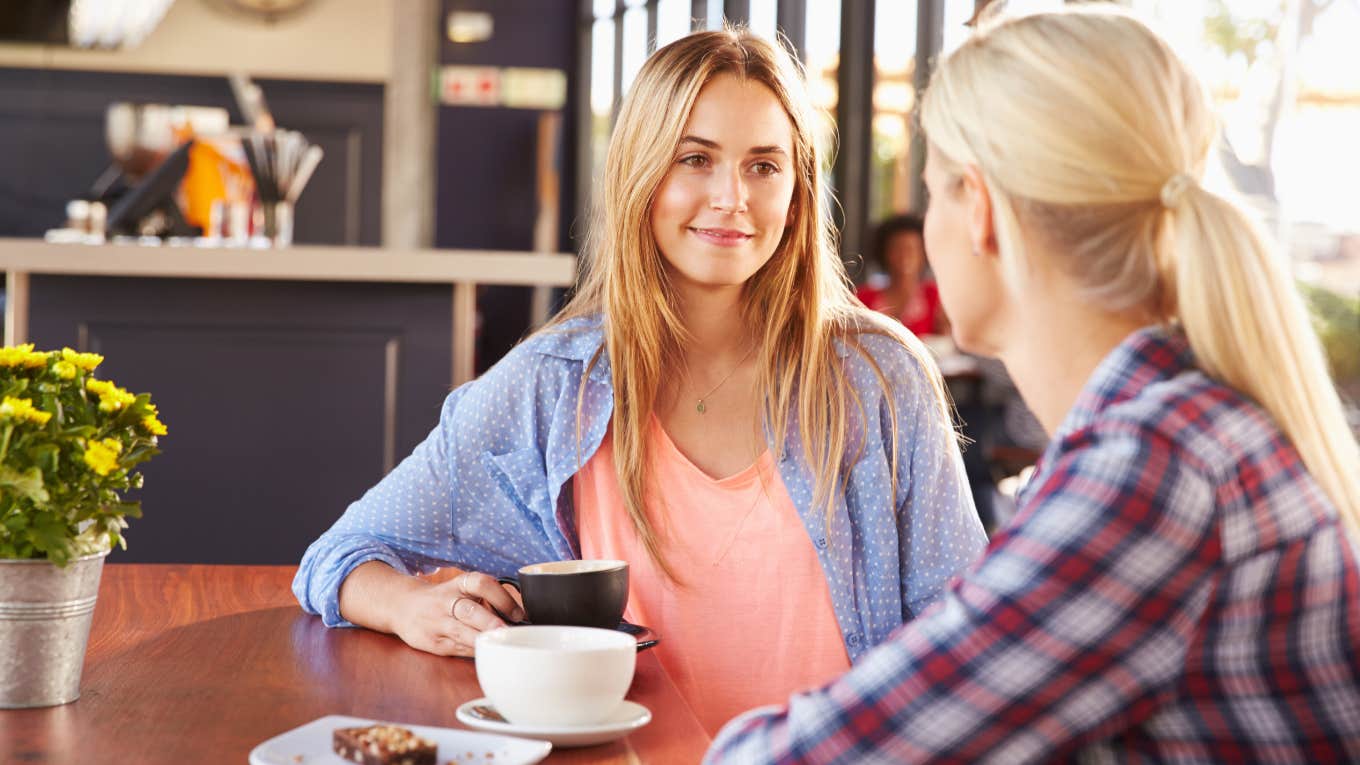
489, 488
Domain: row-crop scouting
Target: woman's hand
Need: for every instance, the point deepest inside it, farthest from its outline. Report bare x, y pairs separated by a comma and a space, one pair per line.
441, 618
446, 618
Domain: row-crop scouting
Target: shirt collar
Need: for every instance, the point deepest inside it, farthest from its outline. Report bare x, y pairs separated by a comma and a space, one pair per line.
576, 339
1148, 355
579, 339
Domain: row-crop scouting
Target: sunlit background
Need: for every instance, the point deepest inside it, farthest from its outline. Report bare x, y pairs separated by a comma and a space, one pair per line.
1284, 73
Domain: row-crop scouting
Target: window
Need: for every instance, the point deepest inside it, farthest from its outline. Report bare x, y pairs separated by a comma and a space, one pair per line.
601, 86
635, 49
673, 21
894, 98
821, 57
763, 18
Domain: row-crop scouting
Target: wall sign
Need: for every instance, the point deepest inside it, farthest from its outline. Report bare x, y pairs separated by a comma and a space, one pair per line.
510, 87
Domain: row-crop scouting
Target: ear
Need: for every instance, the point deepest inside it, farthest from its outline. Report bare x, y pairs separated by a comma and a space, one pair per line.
981, 230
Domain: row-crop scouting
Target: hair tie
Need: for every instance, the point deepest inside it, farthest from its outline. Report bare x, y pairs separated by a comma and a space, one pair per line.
1174, 189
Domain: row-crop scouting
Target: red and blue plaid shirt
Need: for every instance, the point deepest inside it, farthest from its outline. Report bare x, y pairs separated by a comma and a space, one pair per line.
1174, 588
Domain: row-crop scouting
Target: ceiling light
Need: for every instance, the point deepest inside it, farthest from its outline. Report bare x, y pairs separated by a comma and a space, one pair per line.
114, 23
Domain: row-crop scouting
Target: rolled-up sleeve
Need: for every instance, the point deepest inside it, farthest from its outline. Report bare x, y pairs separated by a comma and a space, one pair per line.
404, 521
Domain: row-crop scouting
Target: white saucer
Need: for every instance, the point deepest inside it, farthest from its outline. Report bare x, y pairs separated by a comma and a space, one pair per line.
629, 717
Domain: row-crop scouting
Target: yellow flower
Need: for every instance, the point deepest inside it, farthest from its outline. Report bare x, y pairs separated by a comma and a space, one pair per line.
153, 426
102, 456
65, 370
86, 361
111, 397
22, 356
14, 355
22, 410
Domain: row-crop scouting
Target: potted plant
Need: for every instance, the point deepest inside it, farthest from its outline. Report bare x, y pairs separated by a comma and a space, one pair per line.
69, 443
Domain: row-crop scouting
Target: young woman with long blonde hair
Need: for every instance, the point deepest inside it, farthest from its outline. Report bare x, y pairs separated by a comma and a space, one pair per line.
1180, 583
775, 462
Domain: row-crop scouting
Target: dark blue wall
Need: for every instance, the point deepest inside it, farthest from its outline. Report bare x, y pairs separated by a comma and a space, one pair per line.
275, 395
486, 156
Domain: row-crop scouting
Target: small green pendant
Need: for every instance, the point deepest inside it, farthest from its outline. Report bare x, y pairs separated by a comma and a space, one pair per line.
701, 407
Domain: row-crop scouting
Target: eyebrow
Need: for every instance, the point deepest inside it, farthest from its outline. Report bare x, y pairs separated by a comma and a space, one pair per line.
767, 149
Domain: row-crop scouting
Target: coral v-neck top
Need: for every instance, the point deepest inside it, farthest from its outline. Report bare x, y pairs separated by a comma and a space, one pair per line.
752, 620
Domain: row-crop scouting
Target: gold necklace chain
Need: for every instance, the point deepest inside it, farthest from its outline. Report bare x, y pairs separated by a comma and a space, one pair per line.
701, 407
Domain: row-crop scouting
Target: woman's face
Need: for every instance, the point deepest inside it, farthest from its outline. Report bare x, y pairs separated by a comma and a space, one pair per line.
957, 233
904, 255
722, 208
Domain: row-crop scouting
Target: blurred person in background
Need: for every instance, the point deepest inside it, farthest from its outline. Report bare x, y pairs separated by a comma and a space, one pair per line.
1180, 582
901, 288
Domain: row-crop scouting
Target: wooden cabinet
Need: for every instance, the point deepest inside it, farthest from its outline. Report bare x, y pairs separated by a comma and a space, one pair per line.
285, 400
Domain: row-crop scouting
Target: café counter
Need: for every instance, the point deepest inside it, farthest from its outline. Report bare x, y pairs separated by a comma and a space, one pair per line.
291, 380
462, 269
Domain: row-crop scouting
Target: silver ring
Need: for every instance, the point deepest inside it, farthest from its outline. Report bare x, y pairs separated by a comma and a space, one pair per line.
453, 608
462, 582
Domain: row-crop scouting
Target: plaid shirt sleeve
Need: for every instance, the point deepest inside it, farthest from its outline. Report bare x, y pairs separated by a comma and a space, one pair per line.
1074, 626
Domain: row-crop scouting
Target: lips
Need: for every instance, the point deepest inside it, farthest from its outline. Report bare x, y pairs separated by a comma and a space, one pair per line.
721, 236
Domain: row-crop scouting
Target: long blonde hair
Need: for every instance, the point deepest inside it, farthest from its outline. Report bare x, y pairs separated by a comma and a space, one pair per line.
796, 303
1088, 128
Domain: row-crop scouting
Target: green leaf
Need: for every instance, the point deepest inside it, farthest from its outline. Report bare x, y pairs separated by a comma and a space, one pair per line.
46, 455
53, 537
28, 484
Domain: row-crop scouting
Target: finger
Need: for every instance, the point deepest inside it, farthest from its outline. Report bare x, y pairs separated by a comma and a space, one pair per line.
470, 613
491, 592
444, 645
462, 635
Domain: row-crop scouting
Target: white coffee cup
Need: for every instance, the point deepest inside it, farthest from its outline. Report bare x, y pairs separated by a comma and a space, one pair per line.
554, 676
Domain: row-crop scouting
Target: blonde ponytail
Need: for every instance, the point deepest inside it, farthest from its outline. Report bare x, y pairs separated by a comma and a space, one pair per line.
1238, 305
1102, 165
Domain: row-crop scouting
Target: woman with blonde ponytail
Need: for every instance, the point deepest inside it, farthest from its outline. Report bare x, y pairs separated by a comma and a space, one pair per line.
1180, 582
775, 462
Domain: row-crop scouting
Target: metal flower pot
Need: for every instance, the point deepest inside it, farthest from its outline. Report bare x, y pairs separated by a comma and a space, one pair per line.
45, 615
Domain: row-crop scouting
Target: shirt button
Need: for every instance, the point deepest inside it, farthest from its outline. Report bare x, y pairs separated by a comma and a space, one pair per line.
855, 640
821, 543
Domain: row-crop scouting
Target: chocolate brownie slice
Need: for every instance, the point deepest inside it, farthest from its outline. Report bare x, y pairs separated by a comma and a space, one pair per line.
383, 745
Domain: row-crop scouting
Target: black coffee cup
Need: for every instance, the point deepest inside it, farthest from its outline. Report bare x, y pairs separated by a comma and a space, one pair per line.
580, 593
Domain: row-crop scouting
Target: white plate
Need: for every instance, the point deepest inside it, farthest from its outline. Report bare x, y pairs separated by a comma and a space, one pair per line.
312, 742
629, 717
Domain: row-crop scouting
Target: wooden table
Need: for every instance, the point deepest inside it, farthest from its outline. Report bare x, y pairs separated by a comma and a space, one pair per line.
198, 664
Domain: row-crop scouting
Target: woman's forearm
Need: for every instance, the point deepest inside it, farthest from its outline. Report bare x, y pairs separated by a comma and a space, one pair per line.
372, 594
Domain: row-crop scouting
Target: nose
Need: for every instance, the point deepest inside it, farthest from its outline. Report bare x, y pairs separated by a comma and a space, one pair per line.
728, 192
